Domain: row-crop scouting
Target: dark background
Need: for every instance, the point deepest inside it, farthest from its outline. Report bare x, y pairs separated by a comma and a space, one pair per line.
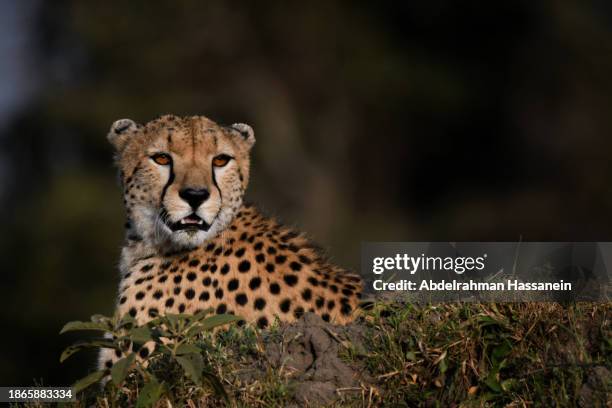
441, 120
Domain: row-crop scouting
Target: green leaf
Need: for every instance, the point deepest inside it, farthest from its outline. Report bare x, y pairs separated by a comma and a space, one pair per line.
121, 368
443, 365
488, 321
150, 394
193, 365
87, 381
218, 320
216, 385
186, 349
172, 319
202, 314
500, 352
492, 382
69, 351
141, 335
126, 320
509, 384
74, 326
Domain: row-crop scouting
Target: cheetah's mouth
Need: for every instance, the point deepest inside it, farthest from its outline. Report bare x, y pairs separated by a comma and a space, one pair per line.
191, 222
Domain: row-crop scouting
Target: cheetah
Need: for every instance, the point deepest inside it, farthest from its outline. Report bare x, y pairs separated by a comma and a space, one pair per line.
191, 244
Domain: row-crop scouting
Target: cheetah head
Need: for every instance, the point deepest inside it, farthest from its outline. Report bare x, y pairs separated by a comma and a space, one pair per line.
183, 178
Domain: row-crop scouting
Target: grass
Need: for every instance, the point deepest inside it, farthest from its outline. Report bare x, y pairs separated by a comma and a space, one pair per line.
463, 355
515, 354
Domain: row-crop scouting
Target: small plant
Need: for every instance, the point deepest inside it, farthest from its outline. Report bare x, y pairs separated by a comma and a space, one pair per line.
176, 365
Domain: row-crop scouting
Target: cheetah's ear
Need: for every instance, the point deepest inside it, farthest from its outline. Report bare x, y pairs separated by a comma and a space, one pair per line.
120, 132
246, 132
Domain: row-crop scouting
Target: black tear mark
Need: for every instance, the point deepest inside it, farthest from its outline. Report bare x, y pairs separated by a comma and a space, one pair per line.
214, 179
168, 184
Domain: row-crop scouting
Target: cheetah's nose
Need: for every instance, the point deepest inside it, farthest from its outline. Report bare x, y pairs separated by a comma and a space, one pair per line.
194, 197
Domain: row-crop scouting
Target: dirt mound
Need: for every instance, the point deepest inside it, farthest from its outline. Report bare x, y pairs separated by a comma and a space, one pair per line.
310, 349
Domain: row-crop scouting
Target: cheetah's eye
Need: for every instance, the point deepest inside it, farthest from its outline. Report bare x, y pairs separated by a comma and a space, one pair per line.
162, 159
221, 160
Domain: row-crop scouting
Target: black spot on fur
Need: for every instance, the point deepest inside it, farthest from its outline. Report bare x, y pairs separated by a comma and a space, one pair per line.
222, 308
140, 295
153, 312
206, 281
239, 252
320, 302
181, 308
242, 299
305, 260
270, 267
147, 268
325, 317
290, 280
194, 262
190, 293
169, 302
260, 303
244, 266
133, 312
178, 278
285, 305
225, 269
144, 352
346, 309
274, 288
262, 322
298, 312
295, 266
233, 285
204, 296
260, 258
254, 283
280, 259
306, 294
158, 294
219, 293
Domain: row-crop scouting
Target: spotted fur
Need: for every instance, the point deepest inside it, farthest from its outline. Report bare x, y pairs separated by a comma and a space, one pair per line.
244, 263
